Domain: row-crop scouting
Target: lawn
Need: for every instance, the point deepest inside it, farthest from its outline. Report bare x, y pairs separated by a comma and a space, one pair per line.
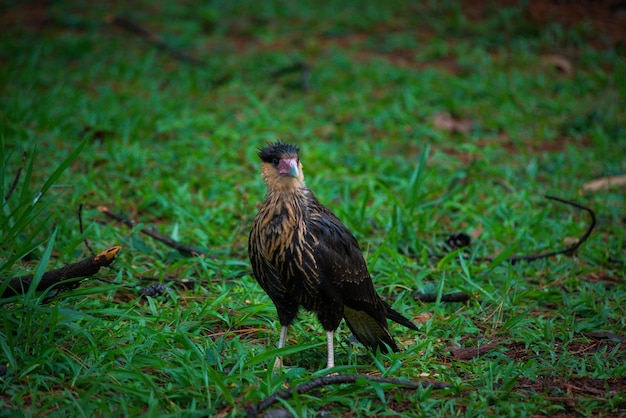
417, 121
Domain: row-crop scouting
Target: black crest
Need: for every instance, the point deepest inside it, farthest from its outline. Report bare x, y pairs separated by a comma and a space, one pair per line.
277, 150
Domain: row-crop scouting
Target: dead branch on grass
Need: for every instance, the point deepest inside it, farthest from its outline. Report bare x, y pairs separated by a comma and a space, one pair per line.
448, 297
334, 380
136, 29
151, 232
302, 68
568, 250
534, 257
80, 228
16, 179
58, 277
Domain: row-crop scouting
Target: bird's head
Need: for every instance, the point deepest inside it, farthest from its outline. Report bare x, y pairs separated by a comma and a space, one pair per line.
281, 167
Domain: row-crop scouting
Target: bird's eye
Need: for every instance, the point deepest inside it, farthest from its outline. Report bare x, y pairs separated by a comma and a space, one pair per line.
275, 162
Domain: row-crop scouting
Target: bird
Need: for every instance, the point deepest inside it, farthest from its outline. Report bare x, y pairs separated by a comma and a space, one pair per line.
302, 255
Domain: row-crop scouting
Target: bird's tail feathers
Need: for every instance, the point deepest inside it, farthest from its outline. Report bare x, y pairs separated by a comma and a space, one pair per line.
369, 331
397, 317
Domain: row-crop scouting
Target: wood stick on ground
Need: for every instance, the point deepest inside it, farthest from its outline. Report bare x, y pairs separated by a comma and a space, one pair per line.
17, 178
80, 227
569, 250
533, 257
300, 67
448, 297
151, 38
338, 379
84, 268
151, 232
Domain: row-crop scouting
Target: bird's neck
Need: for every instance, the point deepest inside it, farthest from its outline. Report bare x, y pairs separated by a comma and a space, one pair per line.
283, 221
289, 202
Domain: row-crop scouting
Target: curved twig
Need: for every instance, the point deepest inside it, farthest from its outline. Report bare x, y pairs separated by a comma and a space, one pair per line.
338, 379
533, 257
17, 178
80, 227
448, 297
569, 250
157, 41
151, 232
301, 67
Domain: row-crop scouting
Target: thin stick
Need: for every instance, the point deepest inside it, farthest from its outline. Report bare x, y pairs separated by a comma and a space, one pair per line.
448, 297
533, 257
569, 250
298, 67
338, 379
17, 177
151, 232
151, 38
80, 228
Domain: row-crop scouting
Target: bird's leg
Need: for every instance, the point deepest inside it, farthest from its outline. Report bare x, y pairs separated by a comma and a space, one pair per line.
278, 364
331, 349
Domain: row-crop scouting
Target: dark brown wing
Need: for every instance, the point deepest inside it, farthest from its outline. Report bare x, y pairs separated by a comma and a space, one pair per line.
340, 260
342, 268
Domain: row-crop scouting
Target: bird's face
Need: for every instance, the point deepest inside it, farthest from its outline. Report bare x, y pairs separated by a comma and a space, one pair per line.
288, 166
281, 167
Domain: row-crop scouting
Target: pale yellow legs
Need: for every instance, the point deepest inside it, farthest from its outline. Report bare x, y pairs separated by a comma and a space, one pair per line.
331, 349
278, 364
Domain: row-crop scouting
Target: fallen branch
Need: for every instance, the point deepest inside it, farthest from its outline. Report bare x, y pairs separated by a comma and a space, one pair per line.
151, 38
449, 297
569, 250
151, 232
84, 268
302, 68
80, 227
17, 178
338, 379
532, 257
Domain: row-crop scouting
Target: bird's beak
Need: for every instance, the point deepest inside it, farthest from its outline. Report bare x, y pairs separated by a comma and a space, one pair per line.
288, 166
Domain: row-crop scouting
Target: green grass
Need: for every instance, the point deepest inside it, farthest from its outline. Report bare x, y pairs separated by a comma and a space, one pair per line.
106, 119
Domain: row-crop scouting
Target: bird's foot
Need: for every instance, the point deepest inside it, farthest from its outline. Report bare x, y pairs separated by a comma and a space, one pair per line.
278, 365
329, 366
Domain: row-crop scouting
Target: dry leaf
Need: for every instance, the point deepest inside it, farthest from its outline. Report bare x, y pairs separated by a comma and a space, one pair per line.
559, 62
477, 232
422, 318
445, 122
605, 183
